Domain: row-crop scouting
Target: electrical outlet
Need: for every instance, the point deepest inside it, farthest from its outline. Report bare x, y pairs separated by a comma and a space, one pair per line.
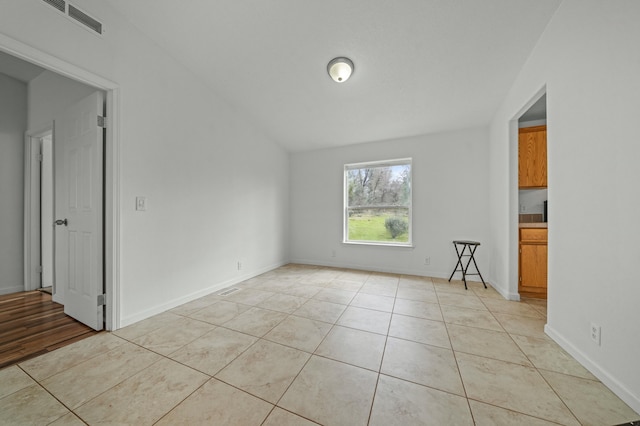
595, 333
239, 266
427, 261
522, 208
333, 253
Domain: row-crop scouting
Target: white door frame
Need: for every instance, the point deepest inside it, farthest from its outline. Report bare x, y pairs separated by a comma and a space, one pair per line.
514, 209
32, 207
112, 163
46, 213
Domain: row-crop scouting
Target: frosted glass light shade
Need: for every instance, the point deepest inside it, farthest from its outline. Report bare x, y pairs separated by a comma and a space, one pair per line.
340, 69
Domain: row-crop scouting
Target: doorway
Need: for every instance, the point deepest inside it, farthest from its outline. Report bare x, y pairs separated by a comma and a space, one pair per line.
111, 241
39, 195
532, 186
34, 321
64, 179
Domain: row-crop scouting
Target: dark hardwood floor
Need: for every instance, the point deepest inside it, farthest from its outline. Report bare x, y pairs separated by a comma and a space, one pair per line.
32, 324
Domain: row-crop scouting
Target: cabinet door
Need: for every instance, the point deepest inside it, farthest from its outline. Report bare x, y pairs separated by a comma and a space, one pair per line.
532, 157
533, 268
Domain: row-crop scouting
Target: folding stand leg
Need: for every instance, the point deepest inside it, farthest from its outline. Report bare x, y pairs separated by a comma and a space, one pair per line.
475, 264
460, 254
464, 269
458, 263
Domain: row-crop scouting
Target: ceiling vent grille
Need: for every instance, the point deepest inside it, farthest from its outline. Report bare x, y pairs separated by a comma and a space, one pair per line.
85, 19
78, 16
58, 4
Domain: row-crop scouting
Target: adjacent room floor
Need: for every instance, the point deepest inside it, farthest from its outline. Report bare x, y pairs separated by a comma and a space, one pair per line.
307, 345
31, 324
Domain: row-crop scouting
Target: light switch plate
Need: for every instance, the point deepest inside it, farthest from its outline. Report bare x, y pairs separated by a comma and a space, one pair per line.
141, 204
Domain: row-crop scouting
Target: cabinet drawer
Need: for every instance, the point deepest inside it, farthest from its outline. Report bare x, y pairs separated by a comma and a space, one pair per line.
533, 234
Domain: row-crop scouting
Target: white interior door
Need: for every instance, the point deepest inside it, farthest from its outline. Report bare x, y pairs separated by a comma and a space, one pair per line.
78, 204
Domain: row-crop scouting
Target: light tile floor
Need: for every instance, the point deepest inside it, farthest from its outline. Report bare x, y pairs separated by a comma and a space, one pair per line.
307, 345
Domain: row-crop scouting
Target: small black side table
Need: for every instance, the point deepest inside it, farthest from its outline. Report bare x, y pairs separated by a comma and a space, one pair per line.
471, 247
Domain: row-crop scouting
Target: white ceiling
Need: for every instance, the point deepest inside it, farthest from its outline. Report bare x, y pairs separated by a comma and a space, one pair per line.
421, 66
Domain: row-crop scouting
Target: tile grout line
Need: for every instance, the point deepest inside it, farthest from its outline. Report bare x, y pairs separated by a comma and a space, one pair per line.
311, 281
303, 367
518, 412
557, 394
292, 381
114, 386
532, 363
505, 331
527, 357
41, 386
455, 358
384, 350
73, 410
192, 368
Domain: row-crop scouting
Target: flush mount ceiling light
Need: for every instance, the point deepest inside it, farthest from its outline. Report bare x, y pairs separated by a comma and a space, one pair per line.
340, 69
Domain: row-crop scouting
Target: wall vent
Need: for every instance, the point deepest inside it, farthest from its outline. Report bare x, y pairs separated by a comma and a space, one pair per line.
228, 291
58, 4
85, 19
78, 16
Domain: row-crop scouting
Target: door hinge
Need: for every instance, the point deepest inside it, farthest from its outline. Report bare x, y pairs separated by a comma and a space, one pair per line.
102, 299
39, 269
102, 122
40, 157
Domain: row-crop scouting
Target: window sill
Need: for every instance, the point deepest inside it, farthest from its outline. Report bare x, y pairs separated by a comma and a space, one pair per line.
368, 243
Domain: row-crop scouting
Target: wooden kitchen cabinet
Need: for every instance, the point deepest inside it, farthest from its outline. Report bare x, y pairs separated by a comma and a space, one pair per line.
532, 157
533, 262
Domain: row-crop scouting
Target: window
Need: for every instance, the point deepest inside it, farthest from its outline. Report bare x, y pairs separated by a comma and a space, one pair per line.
377, 202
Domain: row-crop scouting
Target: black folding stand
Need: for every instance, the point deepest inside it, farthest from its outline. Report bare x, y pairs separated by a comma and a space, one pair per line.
471, 246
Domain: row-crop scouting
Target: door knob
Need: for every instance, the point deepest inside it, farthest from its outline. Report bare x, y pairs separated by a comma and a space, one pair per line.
61, 222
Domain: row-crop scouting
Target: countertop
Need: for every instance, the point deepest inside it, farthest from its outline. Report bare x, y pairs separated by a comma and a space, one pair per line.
533, 225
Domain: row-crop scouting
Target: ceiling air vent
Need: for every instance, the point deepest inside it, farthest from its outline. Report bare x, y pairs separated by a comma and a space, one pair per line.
58, 4
85, 19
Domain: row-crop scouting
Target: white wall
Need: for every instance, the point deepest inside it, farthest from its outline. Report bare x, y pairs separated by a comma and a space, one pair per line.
13, 124
217, 188
532, 123
531, 201
593, 94
450, 201
50, 93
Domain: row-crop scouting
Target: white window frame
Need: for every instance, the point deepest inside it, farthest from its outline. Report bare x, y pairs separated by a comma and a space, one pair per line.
345, 211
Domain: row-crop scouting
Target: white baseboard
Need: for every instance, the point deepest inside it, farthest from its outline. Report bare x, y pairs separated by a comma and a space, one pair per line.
380, 268
14, 289
377, 268
504, 292
132, 319
602, 374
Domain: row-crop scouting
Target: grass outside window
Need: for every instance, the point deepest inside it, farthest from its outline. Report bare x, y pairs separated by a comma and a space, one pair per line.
372, 228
